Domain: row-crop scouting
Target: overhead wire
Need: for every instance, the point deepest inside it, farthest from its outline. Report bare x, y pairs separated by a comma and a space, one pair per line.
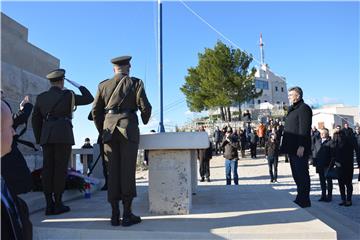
220, 33
214, 29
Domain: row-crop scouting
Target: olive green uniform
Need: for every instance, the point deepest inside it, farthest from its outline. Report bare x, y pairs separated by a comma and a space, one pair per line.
51, 121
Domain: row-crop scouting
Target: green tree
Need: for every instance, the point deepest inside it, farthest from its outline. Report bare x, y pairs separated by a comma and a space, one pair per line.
221, 79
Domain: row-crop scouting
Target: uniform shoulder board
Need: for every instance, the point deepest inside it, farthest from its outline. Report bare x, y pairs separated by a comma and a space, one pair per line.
67, 91
103, 81
135, 79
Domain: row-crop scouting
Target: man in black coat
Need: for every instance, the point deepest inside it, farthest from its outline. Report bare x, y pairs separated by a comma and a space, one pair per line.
13, 165
323, 157
357, 147
230, 144
15, 222
204, 156
87, 145
217, 139
297, 144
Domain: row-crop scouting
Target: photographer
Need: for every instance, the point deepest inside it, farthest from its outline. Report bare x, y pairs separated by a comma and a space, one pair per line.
231, 144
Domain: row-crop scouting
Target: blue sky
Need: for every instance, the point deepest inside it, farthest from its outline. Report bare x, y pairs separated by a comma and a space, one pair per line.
314, 45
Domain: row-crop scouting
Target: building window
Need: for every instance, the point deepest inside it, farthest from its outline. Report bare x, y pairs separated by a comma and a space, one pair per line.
260, 84
265, 101
282, 89
259, 101
277, 102
276, 89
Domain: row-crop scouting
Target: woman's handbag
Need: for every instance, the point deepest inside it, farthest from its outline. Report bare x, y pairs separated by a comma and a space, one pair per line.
331, 172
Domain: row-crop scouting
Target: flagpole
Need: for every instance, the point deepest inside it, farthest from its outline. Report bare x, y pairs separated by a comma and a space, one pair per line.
160, 70
261, 50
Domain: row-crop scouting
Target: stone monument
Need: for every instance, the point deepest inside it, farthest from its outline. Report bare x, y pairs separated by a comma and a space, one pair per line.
23, 70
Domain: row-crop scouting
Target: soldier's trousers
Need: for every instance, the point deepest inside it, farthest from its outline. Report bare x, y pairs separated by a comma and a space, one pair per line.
55, 164
121, 155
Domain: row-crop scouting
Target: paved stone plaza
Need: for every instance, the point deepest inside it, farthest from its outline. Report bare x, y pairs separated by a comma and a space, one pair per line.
255, 209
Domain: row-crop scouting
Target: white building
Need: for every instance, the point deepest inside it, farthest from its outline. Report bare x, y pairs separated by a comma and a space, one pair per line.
331, 115
273, 86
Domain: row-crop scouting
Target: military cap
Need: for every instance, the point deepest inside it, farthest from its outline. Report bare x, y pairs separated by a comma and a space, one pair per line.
124, 60
56, 75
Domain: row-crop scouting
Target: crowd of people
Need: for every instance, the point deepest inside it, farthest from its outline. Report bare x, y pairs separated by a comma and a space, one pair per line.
233, 143
326, 153
333, 157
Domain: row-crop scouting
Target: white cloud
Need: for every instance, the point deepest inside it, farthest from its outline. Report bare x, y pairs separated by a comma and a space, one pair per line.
188, 112
317, 102
330, 100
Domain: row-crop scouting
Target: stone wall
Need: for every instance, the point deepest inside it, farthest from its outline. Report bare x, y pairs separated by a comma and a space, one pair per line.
23, 70
17, 51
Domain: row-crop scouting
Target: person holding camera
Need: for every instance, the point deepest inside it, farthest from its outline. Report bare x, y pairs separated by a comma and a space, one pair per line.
231, 144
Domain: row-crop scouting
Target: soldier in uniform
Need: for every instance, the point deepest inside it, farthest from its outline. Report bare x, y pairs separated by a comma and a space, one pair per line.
51, 121
114, 114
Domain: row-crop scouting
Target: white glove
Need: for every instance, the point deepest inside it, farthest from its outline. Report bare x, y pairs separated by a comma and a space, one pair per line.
75, 84
23, 102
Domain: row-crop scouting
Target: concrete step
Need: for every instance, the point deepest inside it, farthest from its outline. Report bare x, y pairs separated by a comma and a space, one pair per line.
36, 200
345, 227
219, 212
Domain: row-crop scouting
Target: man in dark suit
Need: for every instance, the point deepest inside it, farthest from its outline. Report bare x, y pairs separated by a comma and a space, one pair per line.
52, 128
296, 143
114, 114
89, 157
15, 223
13, 165
204, 156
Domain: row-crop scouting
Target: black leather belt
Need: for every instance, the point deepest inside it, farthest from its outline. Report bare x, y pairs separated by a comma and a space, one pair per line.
119, 111
51, 118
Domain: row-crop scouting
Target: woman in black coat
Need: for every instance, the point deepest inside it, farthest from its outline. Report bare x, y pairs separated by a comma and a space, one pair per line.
344, 159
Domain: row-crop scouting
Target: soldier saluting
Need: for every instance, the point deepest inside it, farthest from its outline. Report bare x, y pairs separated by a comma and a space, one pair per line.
51, 121
114, 114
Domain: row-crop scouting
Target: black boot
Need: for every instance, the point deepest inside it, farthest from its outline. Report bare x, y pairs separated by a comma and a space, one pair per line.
49, 204
128, 217
105, 187
115, 214
59, 207
329, 197
323, 197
